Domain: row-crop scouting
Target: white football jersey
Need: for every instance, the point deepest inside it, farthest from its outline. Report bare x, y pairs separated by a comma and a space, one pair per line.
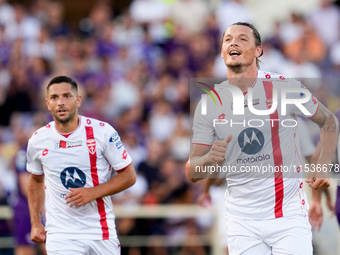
86, 158
263, 160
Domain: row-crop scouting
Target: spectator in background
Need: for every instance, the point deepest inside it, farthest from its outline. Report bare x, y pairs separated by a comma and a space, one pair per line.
191, 15
39, 9
308, 44
332, 74
326, 22
162, 121
55, 19
100, 15
5, 46
24, 26
19, 97
5, 224
38, 72
273, 59
150, 166
43, 46
151, 12
230, 11
6, 13
22, 225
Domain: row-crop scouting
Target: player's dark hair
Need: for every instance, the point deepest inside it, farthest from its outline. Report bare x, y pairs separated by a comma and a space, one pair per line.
257, 37
63, 79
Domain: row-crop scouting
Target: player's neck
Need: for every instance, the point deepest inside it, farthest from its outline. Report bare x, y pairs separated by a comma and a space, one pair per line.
243, 79
68, 127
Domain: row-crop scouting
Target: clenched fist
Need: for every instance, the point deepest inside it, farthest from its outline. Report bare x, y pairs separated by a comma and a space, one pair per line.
218, 150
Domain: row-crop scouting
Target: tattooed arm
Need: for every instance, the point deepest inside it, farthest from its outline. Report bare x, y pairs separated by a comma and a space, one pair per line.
329, 130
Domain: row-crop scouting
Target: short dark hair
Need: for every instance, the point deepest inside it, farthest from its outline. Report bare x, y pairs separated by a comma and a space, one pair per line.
257, 36
61, 79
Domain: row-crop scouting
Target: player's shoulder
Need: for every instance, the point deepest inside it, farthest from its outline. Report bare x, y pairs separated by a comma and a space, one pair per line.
271, 76
278, 79
99, 126
91, 122
43, 132
225, 89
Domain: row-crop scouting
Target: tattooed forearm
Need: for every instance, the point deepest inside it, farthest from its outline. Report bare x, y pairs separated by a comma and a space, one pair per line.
332, 128
326, 120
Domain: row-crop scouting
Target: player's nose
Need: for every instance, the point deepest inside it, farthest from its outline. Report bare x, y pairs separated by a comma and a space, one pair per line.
60, 101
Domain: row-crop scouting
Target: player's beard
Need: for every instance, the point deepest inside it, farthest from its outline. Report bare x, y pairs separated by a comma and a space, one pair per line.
67, 119
238, 67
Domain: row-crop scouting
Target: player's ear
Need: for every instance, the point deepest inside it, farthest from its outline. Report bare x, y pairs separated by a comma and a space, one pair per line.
259, 51
79, 101
48, 105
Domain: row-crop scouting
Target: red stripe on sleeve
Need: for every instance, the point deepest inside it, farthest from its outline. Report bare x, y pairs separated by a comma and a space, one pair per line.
315, 112
202, 144
277, 153
95, 180
118, 170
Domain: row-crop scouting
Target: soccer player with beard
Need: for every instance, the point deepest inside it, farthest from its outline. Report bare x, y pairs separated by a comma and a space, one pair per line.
266, 213
75, 164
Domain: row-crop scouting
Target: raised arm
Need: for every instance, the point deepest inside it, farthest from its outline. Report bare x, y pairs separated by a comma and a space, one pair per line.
329, 132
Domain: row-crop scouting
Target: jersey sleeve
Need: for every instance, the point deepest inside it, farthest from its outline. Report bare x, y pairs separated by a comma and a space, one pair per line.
33, 164
114, 150
311, 105
203, 132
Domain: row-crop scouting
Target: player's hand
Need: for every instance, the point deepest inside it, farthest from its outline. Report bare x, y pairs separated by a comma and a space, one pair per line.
204, 199
38, 234
218, 150
318, 183
315, 215
79, 196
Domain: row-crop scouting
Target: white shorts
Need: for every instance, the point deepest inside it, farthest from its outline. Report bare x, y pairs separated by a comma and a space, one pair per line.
82, 247
281, 236
217, 194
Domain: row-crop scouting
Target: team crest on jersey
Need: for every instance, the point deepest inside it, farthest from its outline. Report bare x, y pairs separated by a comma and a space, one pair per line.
269, 102
91, 145
65, 145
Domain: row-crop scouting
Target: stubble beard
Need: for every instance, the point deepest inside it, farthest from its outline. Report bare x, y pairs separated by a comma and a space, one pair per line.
66, 120
238, 67
235, 68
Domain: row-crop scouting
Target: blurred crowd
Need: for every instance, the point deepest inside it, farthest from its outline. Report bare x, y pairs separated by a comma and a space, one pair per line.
134, 70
